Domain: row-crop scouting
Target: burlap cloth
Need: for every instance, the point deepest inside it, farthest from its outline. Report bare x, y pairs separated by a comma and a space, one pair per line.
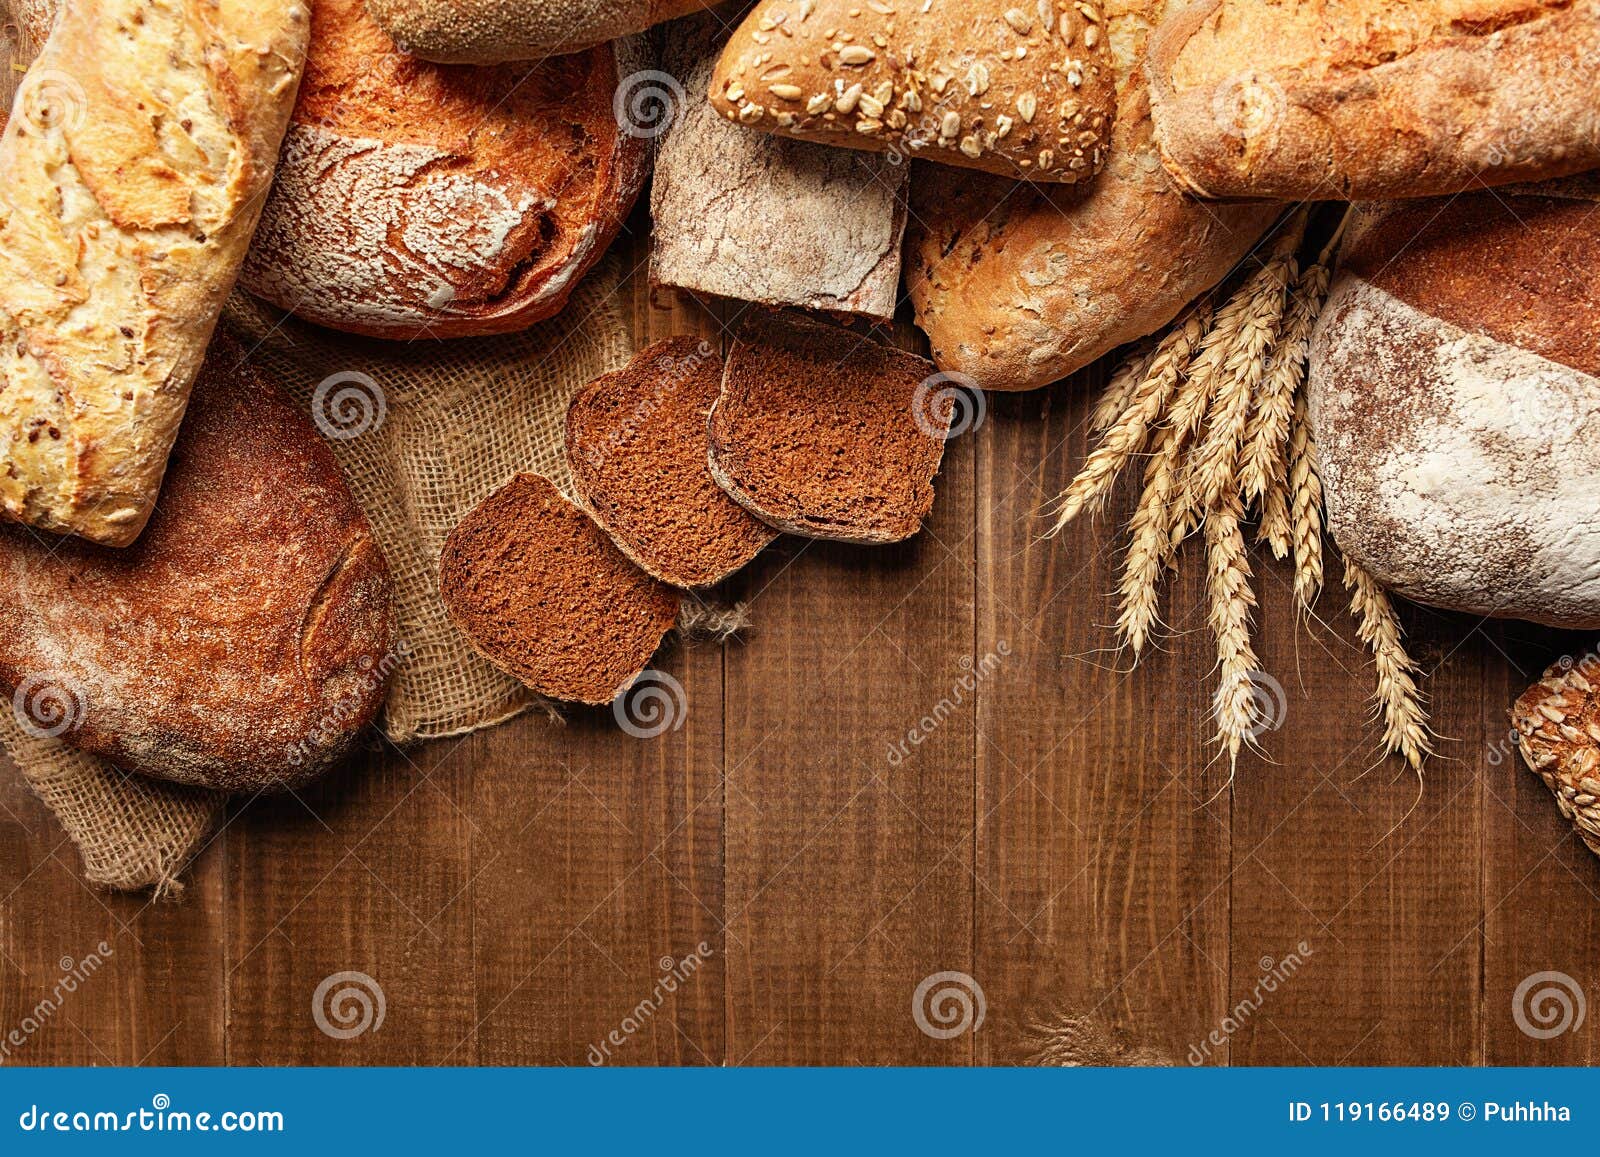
424, 431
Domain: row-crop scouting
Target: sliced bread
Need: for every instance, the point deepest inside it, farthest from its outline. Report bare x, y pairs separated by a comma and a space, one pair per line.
636, 443
822, 432
543, 594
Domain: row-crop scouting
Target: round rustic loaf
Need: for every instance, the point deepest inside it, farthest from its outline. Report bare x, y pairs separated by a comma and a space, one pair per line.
1455, 401
493, 31
422, 200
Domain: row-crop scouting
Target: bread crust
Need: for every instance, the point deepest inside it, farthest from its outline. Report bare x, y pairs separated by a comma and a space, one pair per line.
243, 642
1304, 99
495, 31
130, 184
1557, 725
1020, 286
1025, 91
421, 200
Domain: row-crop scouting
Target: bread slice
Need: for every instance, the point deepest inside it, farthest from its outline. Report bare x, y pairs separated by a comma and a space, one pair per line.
543, 594
636, 443
822, 432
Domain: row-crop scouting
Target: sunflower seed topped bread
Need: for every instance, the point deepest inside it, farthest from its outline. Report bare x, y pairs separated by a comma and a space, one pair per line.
1025, 90
493, 31
822, 432
243, 642
1306, 99
421, 200
636, 443
1019, 286
1454, 389
542, 593
131, 176
1557, 724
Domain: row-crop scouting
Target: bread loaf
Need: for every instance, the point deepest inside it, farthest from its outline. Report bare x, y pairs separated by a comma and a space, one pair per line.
761, 218
822, 432
1557, 724
492, 31
541, 592
1306, 99
636, 444
1018, 286
1025, 90
1455, 398
420, 200
131, 176
242, 643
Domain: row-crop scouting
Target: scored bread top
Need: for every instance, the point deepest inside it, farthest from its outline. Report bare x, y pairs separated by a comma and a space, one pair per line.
636, 443
822, 432
416, 199
1026, 89
542, 593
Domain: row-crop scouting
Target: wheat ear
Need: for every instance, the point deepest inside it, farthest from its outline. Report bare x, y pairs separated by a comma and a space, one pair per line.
1124, 380
1231, 602
1305, 487
1131, 431
1405, 721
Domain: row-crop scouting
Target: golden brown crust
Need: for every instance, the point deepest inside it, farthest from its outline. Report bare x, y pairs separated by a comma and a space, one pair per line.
1025, 90
130, 183
494, 31
1557, 723
1309, 99
242, 643
425, 200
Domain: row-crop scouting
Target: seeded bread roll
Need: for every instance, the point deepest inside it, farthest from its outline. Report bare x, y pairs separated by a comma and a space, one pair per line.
1306, 99
243, 642
420, 200
636, 443
541, 592
822, 432
1558, 732
1026, 90
493, 31
131, 176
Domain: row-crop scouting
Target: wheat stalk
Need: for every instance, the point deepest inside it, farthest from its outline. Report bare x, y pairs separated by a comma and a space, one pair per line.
1305, 486
1405, 721
1127, 376
1231, 602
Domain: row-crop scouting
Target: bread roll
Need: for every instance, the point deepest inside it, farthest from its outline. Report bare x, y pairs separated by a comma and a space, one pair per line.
1557, 724
1026, 90
1455, 398
492, 31
1018, 286
1312, 100
131, 177
421, 200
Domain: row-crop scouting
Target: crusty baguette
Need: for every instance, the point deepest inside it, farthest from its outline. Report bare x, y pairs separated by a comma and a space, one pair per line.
1557, 724
1306, 99
493, 31
1025, 90
426, 200
131, 178
1017, 287
242, 643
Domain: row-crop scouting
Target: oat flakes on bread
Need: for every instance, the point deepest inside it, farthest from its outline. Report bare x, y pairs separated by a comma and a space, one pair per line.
1372, 99
424, 200
243, 641
131, 177
821, 431
540, 591
1025, 90
1557, 723
495, 31
636, 445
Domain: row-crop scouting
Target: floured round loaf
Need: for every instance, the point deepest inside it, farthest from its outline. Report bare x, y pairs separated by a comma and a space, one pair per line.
242, 643
1557, 724
1456, 405
636, 444
541, 592
420, 200
822, 432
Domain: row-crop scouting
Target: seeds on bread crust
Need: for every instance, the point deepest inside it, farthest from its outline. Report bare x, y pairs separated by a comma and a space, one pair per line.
543, 594
636, 443
1558, 732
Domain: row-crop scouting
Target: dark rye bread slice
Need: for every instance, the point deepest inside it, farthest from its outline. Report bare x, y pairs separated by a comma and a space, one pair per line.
636, 443
822, 432
543, 594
